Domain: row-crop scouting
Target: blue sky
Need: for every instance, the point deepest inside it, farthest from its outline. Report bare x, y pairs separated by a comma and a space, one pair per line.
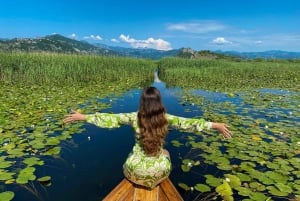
240, 25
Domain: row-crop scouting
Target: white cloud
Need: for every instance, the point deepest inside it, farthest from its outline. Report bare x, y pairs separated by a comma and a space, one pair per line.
114, 40
93, 37
73, 35
158, 44
221, 41
202, 26
258, 42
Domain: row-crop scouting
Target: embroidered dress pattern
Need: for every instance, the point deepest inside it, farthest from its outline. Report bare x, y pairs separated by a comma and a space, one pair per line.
139, 168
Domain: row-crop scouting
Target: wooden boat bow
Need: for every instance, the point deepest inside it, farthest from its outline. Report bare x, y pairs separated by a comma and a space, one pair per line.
128, 191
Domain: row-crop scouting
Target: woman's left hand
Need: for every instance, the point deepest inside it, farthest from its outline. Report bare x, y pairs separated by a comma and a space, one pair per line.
223, 129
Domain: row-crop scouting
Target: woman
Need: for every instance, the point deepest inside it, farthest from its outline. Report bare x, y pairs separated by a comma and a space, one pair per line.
148, 164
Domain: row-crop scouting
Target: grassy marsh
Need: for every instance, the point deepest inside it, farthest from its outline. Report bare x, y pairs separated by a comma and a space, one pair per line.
37, 90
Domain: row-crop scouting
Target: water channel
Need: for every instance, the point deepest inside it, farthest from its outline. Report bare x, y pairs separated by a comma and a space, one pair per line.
90, 165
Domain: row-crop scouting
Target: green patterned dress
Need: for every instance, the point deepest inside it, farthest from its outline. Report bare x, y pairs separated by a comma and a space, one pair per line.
145, 170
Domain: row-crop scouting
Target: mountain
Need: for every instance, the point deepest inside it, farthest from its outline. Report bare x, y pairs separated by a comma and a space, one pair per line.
141, 52
272, 54
52, 43
60, 44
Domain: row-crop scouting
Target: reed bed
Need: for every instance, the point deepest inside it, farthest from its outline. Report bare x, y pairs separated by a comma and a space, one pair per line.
49, 68
226, 75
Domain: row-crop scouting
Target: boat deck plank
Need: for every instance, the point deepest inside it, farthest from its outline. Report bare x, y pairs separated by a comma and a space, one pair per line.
127, 191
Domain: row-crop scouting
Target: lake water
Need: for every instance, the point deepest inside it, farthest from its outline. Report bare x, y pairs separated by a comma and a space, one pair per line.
90, 165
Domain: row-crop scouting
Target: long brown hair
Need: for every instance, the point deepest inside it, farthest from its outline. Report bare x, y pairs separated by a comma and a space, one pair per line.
152, 121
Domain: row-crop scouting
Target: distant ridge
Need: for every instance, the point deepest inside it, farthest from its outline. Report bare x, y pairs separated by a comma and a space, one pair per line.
142, 52
61, 44
52, 43
271, 54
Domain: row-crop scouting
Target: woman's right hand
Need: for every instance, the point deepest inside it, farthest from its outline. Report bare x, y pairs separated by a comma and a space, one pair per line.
74, 116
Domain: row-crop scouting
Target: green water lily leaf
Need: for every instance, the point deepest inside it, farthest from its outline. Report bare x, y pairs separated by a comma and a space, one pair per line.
5, 175
284, 188
28, 169
225, 167
247, 166
7, 196
213, 181
10, 181
46, 180
202, 188
202, 145
228, 198
25, 175
185, 168
33, 161
176, 143
278, 177
224, 189
296, 186
257, 186
10, 146
243, 177
187, 164
275, 191
244, 191
184, 186
258, 196
16, 153
5, 164
53, 151
52, 141
22, 180
231, 95
233, 180
187, 161
37, 144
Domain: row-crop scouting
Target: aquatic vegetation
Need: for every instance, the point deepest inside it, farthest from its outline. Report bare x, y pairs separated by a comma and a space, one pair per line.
259, 99
37, 90
229, 76
262, 160
7, 195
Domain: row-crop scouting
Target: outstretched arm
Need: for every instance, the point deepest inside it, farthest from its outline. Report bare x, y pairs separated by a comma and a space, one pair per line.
194, 124
103, 120
74, 116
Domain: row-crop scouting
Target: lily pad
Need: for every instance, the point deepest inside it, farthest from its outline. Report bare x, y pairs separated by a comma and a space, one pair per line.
33, 161
5, 175
46, 180
202, 188
224, 189
275, 191
184, 186
176, 143
258, 196
213, 181
233, 180
284, 188
7, 196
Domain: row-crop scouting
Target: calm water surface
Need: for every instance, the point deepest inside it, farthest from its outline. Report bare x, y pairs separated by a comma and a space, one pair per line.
90, 165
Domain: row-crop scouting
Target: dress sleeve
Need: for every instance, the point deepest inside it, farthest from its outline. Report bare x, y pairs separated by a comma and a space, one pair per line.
108, 120
188, 124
